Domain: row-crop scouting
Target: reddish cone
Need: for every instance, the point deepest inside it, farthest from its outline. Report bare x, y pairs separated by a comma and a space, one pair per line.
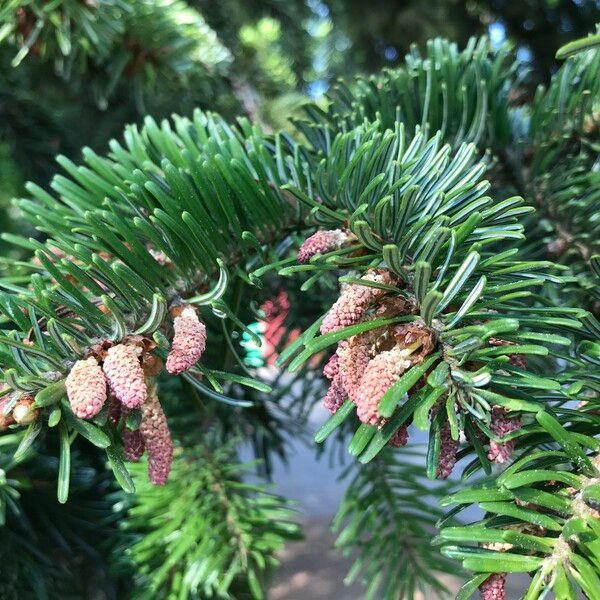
157, 439
400, 437
336, 395
189, 341
493, 587
321, 242
125, 376
447, 455
332, 368
501, 425
86, 388
133, 444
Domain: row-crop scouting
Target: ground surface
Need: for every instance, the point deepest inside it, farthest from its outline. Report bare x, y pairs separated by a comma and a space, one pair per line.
312, 569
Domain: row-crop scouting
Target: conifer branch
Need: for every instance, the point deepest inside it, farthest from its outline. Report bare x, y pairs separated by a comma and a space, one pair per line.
226, 547
443, 321
387, 515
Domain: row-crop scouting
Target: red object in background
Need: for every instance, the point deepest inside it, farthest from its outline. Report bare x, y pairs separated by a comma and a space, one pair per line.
276, 310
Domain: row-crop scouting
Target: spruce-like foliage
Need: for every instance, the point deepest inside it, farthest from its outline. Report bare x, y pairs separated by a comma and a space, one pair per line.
122, 37
432, 296
388, 517
234, 530
50, 549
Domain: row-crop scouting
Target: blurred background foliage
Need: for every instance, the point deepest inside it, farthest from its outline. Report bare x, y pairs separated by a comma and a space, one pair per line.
259, 57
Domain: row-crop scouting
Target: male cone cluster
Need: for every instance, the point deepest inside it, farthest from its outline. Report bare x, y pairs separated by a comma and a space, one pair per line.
366, 365
121, 375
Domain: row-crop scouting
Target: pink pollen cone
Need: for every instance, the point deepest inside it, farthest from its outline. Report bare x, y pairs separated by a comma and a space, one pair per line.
354, 300
125, 376
86, 388
321, 242
381, 373
189, 341
157, 439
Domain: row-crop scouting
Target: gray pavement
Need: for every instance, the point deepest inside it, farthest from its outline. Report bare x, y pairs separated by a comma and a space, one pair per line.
312, 569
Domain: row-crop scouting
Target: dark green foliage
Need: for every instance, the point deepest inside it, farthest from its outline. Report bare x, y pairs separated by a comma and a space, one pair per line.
52, 550
66, 29
161, 38
540, 517
143, 207
563, 170
461, 94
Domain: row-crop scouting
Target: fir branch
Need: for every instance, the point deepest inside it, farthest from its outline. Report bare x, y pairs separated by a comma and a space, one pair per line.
562, 173
463, 94
211, 533
442, 321
541, 518
105, 42
387, 516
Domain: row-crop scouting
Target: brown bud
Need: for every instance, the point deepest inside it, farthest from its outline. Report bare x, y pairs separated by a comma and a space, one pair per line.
6, 419
24, 411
